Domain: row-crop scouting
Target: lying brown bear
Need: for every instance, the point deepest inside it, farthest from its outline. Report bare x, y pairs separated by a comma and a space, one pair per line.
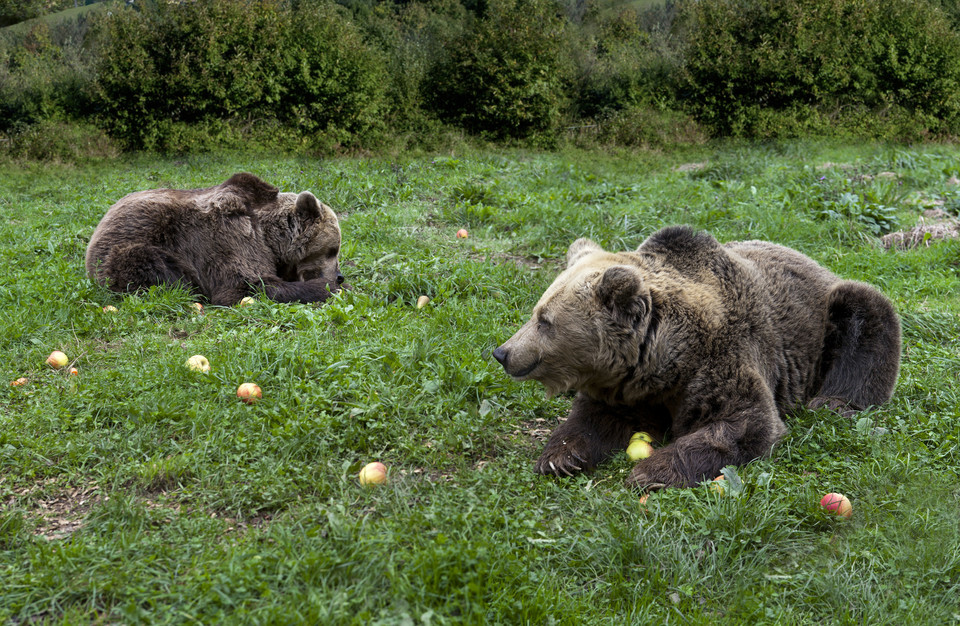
707, 344
226, 242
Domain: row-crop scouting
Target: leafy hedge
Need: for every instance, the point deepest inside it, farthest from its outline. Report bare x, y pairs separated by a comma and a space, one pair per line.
322, 74
223, 64
505, 75
774, 67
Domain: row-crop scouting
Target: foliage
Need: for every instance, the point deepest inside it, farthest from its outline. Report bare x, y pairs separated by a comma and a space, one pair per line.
505, 75
45, 73
221, 65
773, 67
327, 76
632, 60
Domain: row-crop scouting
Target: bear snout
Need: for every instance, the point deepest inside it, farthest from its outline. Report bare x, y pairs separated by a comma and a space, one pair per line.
516, 371
340, 278
501, 356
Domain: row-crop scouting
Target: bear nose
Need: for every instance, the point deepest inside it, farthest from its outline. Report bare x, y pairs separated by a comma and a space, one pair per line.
339, 278
501, 356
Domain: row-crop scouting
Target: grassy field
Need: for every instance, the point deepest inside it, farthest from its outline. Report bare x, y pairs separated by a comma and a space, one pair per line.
140, 492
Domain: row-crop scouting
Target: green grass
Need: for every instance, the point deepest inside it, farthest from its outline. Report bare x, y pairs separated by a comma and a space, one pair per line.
141, 492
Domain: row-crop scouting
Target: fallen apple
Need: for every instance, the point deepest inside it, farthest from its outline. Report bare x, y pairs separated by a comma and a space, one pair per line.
373, 474
198, 307
20, 382
641, 436
247, 301
249, 393
639, 449
74, 371
198, 363
719, 485
57, 359
462, 233
109, 309
838, 504
422, 301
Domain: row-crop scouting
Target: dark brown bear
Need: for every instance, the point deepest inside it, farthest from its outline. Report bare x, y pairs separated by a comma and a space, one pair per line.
226, 242
709, 345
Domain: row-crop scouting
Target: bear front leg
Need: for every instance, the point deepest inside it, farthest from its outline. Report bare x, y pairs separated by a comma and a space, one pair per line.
590, 434
316, 290
734, 436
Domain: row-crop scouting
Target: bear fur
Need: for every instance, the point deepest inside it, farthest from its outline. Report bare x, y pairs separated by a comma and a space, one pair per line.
705, 345
226, 242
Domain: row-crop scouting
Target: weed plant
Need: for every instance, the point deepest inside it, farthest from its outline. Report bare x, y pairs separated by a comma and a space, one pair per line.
141, 492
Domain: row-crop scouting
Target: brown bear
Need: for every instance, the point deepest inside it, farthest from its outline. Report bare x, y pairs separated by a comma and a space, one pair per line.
226, 242
702, 344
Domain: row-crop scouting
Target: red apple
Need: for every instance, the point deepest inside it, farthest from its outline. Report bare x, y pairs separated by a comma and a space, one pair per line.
462, 233
249, 393
373, 474
57, 359
838, 504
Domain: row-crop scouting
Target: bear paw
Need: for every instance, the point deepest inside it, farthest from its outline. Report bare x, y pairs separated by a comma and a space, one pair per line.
561, 461
837, 405
656, 473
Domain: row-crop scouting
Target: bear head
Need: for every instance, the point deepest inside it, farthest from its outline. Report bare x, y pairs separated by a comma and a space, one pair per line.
305, 237
587, 331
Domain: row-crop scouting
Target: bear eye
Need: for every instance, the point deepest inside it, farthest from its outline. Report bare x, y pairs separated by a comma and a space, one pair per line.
543, 324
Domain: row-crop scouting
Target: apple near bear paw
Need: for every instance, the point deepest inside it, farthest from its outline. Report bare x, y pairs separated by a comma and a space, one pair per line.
639, 449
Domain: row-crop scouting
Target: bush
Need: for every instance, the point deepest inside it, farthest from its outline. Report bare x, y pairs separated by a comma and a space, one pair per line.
44, 74
223, 65
632, 61
752, 65
506, 75
412, 37
54, 141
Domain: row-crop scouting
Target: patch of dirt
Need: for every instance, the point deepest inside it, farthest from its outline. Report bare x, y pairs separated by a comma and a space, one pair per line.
538, 429
924, 232
61, 512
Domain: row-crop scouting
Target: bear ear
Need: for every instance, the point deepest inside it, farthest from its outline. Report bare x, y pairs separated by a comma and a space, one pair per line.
308, 207
253, 190
580, 248
620, 290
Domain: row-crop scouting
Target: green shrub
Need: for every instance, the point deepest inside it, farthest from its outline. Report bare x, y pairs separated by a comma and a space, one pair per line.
56, 141
632, 61
751, 66
506, 75
646, 127
223, 65
412, 37
44, 73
